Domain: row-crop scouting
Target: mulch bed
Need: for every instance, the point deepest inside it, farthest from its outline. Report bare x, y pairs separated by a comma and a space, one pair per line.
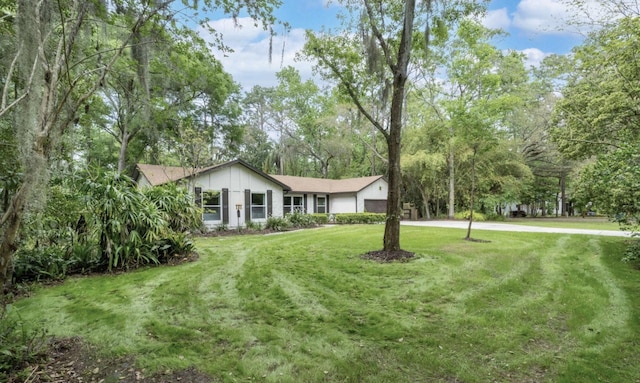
384, 256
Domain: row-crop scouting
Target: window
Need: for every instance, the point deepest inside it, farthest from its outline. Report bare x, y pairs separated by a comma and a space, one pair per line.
322, 204
293, 204
258, 206
211, 203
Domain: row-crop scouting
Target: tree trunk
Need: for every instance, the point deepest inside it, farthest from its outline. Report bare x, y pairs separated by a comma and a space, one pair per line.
12, 220
452, 185
473, 192
122, 158
400, 74
425, 201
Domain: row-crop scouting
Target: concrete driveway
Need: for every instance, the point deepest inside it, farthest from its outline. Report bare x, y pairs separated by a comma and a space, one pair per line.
517, 228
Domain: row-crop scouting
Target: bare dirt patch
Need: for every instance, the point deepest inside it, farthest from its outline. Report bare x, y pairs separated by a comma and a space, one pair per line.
71, 360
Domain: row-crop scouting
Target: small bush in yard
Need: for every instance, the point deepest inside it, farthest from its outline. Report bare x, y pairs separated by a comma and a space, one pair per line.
276, 223
360, 218
250, 225
320, 218
298, 219
464, 215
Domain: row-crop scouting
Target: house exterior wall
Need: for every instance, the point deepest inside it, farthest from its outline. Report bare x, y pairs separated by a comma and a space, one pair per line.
143, 181
238, 179
342, 203
376, 191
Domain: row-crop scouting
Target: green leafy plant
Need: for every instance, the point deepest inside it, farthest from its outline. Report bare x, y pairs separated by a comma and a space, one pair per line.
299, 219
320, 218
359, 218
251, 225
276, 223
19, 345
464, 215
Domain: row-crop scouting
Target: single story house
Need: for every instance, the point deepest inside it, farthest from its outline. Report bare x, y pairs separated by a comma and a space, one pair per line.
234, 192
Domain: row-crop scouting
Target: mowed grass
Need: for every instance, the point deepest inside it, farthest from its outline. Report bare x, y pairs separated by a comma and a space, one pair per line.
304, 307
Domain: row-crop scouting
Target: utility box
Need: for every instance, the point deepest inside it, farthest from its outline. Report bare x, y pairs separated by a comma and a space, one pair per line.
409, 212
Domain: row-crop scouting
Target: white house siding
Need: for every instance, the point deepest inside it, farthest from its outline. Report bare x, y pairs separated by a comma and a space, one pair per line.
237, 178
143, 181
376, 191
342, 203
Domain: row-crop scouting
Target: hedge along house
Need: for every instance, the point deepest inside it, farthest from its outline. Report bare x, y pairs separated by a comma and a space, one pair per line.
232, 193
235, 188
319, 195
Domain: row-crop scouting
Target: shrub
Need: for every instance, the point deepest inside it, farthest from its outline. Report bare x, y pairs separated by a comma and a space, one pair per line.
276, 223
298, 219
257, 226
174, 244
632, 253
40, 263
495, 217
320, 218
18, 345
464, 215
359, 218
176, 205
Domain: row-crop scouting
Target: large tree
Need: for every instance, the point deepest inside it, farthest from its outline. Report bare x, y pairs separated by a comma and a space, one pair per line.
58, 63
370, 62
598, 116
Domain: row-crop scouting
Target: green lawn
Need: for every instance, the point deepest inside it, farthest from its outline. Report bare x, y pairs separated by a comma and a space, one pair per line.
303, 307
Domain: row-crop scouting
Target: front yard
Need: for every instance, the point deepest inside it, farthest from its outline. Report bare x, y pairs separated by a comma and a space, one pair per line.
304, 307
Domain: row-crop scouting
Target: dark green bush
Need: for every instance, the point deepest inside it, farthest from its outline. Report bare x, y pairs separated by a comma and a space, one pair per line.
495, 217
320, 218
464, 215
174, 244
251, 225
632, 253
276, 224
41, 263
359, 218
298, 219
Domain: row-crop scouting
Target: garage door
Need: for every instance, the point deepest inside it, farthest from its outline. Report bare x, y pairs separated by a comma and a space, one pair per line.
375, 205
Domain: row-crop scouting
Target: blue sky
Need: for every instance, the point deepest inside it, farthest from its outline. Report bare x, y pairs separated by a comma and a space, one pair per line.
536, 28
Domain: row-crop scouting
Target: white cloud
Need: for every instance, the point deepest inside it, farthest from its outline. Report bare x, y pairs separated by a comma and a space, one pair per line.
497, 19
541, 16
560, 16
249, 62
533, 57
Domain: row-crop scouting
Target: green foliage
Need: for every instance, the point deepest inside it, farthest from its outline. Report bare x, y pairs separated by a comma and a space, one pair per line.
464, 215
251, 225
123, 221
610, 185
299, 219
19, 344
359, 218
276, 223
176, 205
320, 218
174, 243
495, 217
632, 253
39, 263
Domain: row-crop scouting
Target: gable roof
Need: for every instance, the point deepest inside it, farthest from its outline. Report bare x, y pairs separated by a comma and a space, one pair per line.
323, 185
160, 174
